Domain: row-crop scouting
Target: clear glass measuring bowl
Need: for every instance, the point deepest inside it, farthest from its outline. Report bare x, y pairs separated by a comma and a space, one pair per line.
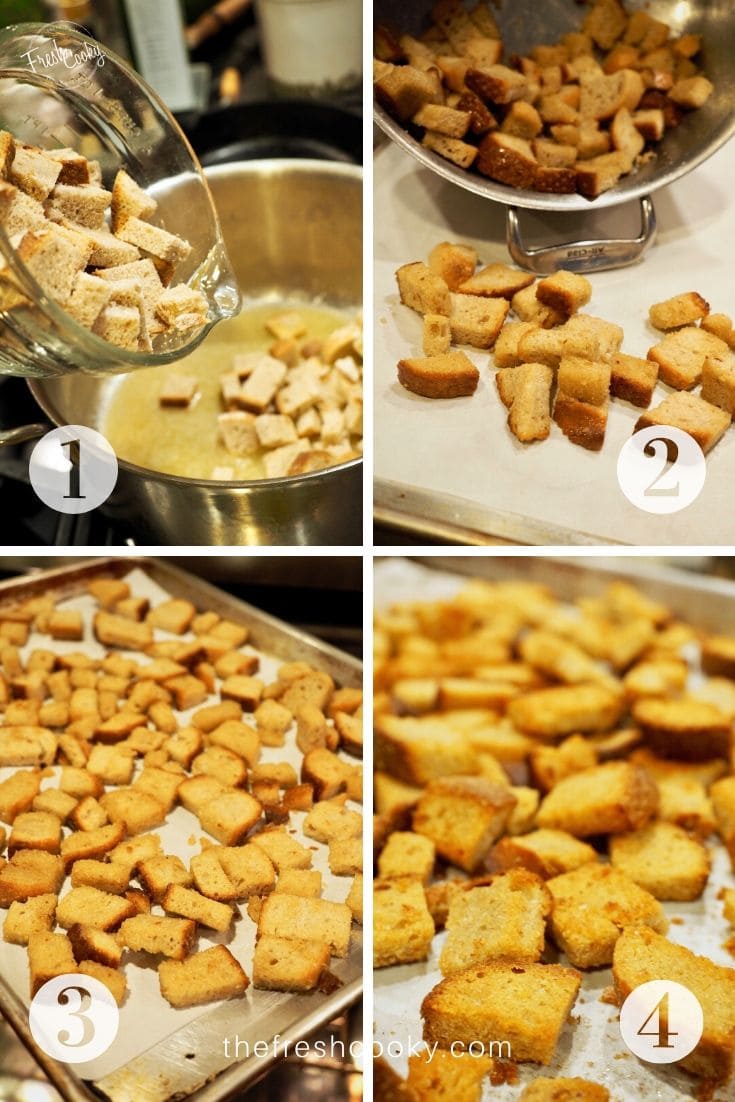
58, 89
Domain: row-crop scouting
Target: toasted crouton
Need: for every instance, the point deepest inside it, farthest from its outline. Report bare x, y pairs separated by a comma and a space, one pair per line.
452, 263
24, 919
207, 976
564, 291
437, 337
451, 375
526, 390
704, 422
49, 955
686, 728
718, 382
93, 907
548, 713
402, 90
312, 919
193, 905
607, 799
423, 289
633, 379
531, 1002
496, 281
170, 937
684, 309
681, 355
463, 816
544, 852
280, 964
403, 929
663, 859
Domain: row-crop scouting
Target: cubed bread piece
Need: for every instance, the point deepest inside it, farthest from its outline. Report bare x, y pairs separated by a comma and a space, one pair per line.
583, 423
508, 159
129, 200
403, 89
463, 816
230, 816
108, 876
528, 308
35, 915
564, 291
402, 926
688, 729
442, 120
157, 872
133, 851
154, 240
633, 379
208, 976
608, 799
283, 851
525, 1004
453, 263
345, 856
327, 773
451, 375
417, 750
191, 904
585, 380
496, 281
407, 854
118, 631
497, 83
49, 955
592, 906
132, 809
18, 792
291, 916
681, 355
704, 422
723, 802
249, 868
422, 289
280, 964
504, 921
30, 873
155, 934
718, 382
545, 852
475, 320
442, 1076
35, 830
564, 1090
90, 943
718, 656
506, 352
91, 843
563, 710
551, 764
522, 120
663, 859
92, 907
599, 174
526, 391
304, 882
113, 980
437, 336
680, 310
210, 877
642, 955
691, 92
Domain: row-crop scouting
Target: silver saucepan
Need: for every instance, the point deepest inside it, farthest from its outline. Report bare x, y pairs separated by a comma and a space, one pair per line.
527, 23
292, 227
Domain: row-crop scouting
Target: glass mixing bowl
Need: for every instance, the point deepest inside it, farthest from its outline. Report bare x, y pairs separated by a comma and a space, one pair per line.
61, 89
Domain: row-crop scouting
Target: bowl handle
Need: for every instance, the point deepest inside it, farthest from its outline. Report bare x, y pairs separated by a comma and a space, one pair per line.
23, 433
581, 256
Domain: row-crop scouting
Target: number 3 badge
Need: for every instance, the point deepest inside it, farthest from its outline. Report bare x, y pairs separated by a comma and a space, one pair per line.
73, 469
661, 469
74, 1018
661, 1021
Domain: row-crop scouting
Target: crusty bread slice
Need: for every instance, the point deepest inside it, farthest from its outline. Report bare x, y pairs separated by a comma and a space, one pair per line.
598, 174
508, 159
704, 422
452, 375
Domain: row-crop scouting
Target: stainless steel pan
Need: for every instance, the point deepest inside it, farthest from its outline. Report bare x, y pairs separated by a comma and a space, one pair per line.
291, 227
525, 23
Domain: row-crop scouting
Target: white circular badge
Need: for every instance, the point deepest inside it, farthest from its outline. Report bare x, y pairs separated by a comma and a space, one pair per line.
661, 469
73, 469
74, 1018
661, 1021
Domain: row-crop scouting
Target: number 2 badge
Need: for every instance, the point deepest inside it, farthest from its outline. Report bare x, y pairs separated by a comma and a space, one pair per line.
661, 469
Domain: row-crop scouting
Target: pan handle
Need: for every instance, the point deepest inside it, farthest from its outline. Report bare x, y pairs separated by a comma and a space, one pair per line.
21, 434
581, 256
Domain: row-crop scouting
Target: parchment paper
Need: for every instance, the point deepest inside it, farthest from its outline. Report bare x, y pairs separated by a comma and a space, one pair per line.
591, 1047
145, 1017
461, 448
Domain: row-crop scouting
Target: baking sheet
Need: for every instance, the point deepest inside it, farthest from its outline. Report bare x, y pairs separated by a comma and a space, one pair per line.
455, 461
590, 1047
146, 1019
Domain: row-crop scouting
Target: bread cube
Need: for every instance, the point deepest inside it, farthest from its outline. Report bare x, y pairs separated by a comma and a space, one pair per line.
92, 944
608, 799
673, 313
688, 729
287, 965
249, 869
453, 263
663, 859
447, 375
422, 289
496, 281
592, 906
37, 914
475, 320
207, 976
407, 854
402, 926
526, 1004
463, 816
549, 713
544, 852
503, 921
292, 916
193, 905
49, 955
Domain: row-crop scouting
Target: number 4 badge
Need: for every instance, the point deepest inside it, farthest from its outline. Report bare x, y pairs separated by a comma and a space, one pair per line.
661, 1021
